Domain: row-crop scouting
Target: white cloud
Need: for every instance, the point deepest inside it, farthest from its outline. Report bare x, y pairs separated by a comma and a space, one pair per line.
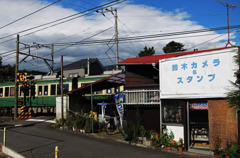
134, 20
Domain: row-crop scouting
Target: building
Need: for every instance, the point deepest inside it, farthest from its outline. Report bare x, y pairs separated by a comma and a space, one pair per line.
82, 68
188, 99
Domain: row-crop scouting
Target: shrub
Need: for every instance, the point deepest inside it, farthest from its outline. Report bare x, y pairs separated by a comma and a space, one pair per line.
231, 150
80, 122
130, 132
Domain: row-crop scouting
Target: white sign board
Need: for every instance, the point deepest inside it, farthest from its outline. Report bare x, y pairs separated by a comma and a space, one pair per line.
200, 75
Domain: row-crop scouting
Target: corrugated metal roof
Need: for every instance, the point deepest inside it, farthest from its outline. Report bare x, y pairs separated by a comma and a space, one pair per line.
106, 83
156, 58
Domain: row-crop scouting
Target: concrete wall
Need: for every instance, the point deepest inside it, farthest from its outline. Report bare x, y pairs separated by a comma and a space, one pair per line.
222, 122
65, 107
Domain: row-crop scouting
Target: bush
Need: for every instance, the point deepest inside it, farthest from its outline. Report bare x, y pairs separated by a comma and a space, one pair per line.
231, 150
130, 132
80, 122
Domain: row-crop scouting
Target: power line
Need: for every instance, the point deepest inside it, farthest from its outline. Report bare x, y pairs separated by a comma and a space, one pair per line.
67, 17
133, 38
29, 14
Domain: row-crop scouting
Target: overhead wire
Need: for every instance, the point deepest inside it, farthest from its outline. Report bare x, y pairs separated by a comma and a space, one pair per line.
133, 38
29, 14
72, 17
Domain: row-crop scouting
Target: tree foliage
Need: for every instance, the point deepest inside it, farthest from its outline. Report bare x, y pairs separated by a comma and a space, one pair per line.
146, 52
7, 72
173, 47
233, 96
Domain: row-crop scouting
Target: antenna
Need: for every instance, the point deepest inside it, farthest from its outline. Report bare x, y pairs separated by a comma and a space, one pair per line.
231, 6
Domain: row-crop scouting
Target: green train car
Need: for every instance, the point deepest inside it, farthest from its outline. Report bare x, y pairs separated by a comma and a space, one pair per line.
46, 91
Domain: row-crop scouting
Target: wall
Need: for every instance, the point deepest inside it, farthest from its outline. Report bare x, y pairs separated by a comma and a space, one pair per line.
150, 115
59, 107
222, 122
139, 76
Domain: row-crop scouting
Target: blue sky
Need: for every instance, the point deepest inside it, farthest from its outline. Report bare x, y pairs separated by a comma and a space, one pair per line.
135, 18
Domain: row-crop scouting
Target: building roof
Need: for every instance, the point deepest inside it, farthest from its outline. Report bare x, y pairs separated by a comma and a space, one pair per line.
80, 64
106, 83
156, 58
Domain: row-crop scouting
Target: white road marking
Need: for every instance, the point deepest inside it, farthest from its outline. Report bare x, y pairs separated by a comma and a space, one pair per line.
41, 120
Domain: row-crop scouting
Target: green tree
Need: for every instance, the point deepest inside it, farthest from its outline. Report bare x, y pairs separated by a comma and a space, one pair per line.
7, 72
233, 96
173, 47
146, 52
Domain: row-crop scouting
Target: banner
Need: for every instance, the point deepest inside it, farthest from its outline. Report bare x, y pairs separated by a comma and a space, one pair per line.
119, 103
199, 106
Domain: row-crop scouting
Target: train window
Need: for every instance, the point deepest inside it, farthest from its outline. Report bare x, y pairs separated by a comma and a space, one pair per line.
53, 89
39, 90
84, 84
109, 91
117, 89
65, 89
98, 92
12, 91
45, 90
6, 91
1, 92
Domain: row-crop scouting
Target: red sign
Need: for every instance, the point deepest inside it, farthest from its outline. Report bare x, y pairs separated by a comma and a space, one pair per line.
199, 106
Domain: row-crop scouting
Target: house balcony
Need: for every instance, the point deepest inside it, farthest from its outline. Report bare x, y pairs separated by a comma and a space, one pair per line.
142, 96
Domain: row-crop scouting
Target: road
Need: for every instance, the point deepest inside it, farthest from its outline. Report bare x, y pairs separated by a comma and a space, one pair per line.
39, 139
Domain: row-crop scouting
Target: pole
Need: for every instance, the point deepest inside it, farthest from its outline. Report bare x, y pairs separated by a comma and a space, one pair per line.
160, 110
16, 83
92, 107
56, 152
52, 48
62, 89
116, 37
4, 136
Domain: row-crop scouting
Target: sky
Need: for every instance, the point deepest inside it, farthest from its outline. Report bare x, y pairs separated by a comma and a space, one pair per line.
45, 23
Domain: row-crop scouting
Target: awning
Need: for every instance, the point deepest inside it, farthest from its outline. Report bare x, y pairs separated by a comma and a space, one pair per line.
106, 83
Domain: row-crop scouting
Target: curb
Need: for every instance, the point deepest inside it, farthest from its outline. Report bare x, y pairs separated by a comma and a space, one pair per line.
11, 152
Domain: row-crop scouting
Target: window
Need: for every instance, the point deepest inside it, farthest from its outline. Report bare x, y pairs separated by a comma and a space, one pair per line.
98, 92
6, 91
39, 90
84, 84
53, 89
65, 89
172, 112
12, 91
1, 92
45, 90
109, 91
117, 89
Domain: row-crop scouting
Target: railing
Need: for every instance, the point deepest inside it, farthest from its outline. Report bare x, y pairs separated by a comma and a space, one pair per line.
142, 96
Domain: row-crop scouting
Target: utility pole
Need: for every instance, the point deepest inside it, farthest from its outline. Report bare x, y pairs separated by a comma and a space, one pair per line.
16, 83
231, 6
62, 89
116, 29
116, 37
52, 48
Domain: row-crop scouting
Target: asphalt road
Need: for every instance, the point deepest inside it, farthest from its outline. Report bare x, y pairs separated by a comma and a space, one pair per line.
38, 140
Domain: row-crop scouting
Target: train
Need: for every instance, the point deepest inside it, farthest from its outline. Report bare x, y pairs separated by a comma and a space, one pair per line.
46, 88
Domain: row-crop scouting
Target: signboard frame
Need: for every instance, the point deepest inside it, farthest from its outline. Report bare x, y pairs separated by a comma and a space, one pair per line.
175, 90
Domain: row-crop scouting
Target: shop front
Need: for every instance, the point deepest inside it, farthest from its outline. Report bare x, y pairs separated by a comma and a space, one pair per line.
198, 124
192, 92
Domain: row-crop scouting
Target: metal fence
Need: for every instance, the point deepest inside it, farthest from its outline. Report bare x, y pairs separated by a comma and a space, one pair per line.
141, 96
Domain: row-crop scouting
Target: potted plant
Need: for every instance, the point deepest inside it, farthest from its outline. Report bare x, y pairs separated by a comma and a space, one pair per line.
180, 145
231, 151
174, 145
218, 150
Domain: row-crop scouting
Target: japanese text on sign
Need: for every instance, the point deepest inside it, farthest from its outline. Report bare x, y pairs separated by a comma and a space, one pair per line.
194, 66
